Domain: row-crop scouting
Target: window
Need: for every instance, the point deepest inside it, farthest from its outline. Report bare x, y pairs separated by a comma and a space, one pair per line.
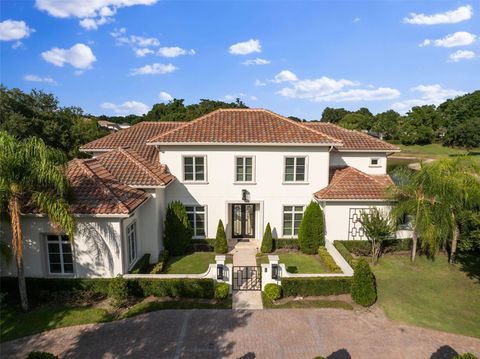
374, 161
295, 169
60, 257
292, 216
196, 216
244, 169
132, 242
194, 168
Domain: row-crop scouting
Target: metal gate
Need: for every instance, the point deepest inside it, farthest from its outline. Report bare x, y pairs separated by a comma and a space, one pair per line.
247, 278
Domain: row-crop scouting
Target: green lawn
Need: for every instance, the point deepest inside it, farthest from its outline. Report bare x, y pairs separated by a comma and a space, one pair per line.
433, 150
297, 262
306, 304
194, 263
14, 324
429, 294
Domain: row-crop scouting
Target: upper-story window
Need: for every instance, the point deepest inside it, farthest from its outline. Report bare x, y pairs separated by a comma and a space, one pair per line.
60, 257
374, 162
244, 169
194, 168
295, 169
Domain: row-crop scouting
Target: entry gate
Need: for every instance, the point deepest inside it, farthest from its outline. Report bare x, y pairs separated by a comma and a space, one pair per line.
247, 278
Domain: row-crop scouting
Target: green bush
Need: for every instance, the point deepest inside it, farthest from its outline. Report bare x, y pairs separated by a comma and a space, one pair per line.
178, 230
221, 291
267, 241
176, 288
118, 291
286, 243
328, 260
345, 252
203, 245
160, 265
142, 266
311, 233
41, 355
465, 356
273, 291
364, 290
358, 247
221, 246
316, 286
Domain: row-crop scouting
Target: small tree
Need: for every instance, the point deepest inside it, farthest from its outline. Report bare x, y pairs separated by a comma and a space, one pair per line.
178, 230
267, 241
311, 233
221, 239
378, 228
364, 289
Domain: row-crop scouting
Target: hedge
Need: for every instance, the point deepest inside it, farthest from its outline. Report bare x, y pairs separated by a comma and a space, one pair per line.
364, 289
363, 248
328, 260
203, 245
286, 243
344, 252
142, 266
267, 241
311, 233
180, 288
317, 286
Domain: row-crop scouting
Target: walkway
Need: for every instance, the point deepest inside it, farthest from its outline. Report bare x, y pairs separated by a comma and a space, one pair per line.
274, 333
244, 255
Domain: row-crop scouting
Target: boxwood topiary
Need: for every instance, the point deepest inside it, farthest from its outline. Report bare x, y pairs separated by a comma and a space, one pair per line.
178, 230
311, 233
273, 291
221, 291
221, 246
364, 290
267, 241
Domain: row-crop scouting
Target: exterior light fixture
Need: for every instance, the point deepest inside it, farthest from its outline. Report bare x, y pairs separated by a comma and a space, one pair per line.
245, 195
275, 271
220, 272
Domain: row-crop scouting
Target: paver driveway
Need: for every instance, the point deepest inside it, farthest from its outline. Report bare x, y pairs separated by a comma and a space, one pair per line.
298, 333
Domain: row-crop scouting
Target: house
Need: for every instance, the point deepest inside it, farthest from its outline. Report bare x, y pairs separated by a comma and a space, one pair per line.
247, 167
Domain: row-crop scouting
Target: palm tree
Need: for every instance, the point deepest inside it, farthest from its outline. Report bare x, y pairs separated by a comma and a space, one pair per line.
32, 174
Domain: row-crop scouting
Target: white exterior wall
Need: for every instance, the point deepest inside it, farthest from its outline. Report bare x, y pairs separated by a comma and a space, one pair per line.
98, 251
360, 161
268, 191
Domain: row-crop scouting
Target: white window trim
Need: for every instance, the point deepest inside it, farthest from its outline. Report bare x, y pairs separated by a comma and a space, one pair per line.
205, 164
379, 164
195, 220
293, 236
254, 172
305, 181
134, 260
62, 274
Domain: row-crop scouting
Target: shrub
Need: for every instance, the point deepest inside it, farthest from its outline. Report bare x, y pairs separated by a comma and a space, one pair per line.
328, 260
311, 233
287, 243
176, 288
178, 230
345, 252
357, 247
316, 286
465, 356
273, 291
379, 228
142, 266
41, 355
203, 245
221, 239
267, 241
160, 265
221, 291
118, 291
364, 291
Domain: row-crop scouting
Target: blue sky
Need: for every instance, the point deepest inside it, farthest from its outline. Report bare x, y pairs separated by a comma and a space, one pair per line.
293, 57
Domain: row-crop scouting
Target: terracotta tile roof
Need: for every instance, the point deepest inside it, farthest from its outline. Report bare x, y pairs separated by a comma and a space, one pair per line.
352, 140
244, 126
130, 168
350, 183
135, 137
96, 191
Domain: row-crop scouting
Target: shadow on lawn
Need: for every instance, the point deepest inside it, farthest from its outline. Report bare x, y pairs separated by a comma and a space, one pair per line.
470, 264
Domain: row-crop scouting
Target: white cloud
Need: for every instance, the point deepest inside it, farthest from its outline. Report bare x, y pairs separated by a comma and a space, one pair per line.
142, 52
246, 47
140, 45
126, 108
154, 69
461, 55
450, 17
11, 30
165, 96
257, 61
428, 95
174, 51
35, 78
381, 93
253, 98
92, 13
459, 38
79, 56
357, 19
259, 83
285, 76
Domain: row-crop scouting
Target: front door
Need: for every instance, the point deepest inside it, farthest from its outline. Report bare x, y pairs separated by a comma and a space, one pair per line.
243, 217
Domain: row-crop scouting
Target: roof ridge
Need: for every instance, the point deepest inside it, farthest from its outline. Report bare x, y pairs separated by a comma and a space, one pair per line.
361, 134
372, 177
157, 122
88, 171
138, 162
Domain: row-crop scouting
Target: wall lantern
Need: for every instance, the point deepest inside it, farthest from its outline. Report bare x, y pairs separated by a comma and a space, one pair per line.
245, 195
220, 272
275, 271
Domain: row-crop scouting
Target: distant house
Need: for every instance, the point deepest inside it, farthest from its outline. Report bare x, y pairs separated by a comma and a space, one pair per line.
247, 167
112, 126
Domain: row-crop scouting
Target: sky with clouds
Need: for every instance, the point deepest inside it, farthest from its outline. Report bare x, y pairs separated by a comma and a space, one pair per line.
295, 58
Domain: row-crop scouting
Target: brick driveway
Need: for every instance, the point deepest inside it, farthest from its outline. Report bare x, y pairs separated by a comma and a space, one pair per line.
295, 333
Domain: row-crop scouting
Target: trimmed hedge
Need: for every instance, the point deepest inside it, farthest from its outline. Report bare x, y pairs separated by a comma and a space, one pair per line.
118, 291
328, 260
142, 266
203, 245
311, 233
160, 265
285, 243
273, 291
364, 290
222, 290
317, 286
363, 248
267, 241
221, 246
358, 247
344, 252
177, 288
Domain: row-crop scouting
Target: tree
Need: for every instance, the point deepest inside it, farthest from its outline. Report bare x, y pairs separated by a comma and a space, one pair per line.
469, 222
178, 230
32, 174
311, 233
333, 115
364, 289
464, 134
267, 241
386, 123
378, 228
221, 239
355, 121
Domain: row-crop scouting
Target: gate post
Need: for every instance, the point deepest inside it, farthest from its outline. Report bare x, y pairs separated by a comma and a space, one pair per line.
223, 272
271, 272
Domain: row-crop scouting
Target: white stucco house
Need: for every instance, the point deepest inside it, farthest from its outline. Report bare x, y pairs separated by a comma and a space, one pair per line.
247, 167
